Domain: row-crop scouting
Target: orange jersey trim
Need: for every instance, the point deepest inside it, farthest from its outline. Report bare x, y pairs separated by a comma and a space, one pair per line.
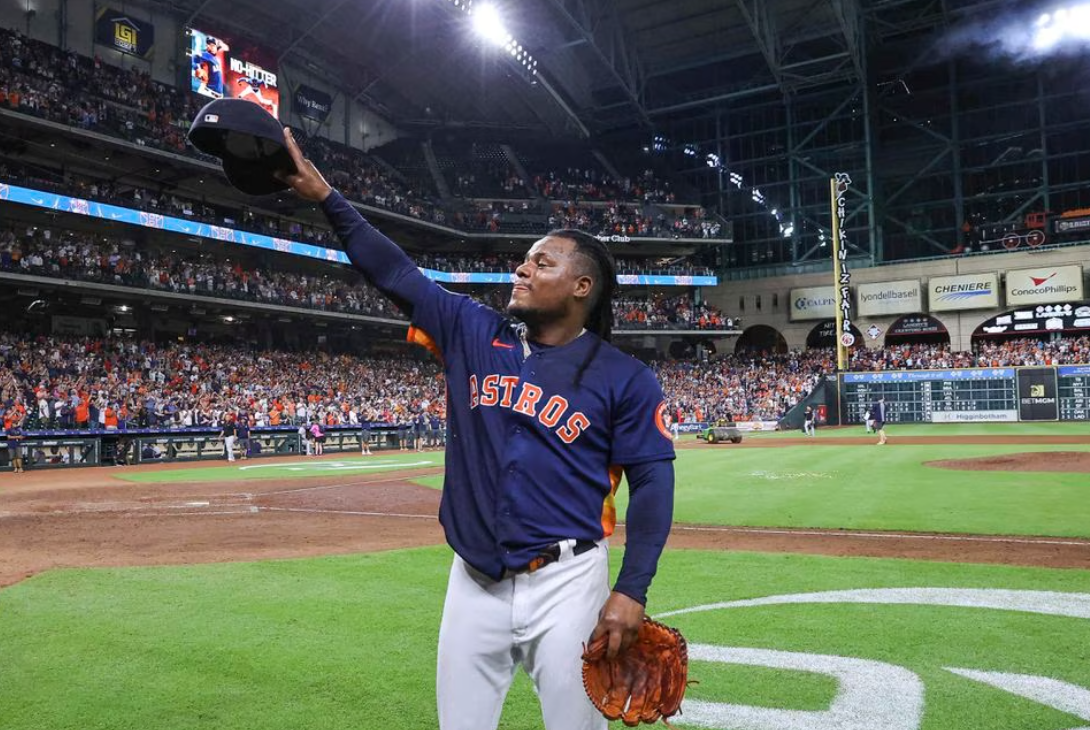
417, 336
609, 504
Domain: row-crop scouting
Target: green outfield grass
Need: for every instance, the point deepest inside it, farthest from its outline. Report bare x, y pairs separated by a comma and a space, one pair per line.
349, 642
865, 488
941, 430
298, 468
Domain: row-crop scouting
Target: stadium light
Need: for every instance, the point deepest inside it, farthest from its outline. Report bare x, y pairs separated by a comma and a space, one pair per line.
1065, 24
489, 25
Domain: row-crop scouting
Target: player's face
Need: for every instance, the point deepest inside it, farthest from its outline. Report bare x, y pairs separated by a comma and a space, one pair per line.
550, 281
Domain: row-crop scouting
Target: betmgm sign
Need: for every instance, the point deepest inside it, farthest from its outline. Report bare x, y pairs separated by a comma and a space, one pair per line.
124, 34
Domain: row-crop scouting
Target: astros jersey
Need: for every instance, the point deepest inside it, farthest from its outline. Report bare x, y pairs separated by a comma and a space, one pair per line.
532, 458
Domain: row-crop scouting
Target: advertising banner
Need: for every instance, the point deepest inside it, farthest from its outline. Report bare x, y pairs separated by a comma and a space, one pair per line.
217, 73
969, 291
1040, 319
124, 33
814, 302
974, 416
1040, 286
312, 103
890, 297
920, 324
1037, 394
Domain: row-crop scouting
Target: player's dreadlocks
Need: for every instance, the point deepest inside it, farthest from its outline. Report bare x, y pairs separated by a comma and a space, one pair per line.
603, 269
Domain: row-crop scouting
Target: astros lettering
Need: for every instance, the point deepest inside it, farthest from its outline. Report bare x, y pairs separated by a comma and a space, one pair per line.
500, 390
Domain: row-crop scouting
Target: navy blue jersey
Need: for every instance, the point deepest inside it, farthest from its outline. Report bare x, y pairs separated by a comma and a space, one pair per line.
531, 458
215, 73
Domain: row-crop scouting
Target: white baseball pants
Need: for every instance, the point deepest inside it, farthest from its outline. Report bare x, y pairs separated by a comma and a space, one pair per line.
539, 620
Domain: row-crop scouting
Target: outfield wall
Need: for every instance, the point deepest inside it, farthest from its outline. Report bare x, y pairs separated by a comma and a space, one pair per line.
971, 395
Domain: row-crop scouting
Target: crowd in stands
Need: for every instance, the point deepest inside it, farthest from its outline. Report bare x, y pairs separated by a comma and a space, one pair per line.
665, 313
1016, 352
59, 85
90, 383
66, 254
507, 263
84, 383
45, 81
588, 184
84, 257
757, 386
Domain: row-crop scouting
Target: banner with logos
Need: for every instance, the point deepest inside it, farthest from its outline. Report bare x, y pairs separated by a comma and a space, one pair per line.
918, 324
1072, 225
312, 103
889, 297
1042, 286
124, 33
969, 291
1037, 394
813, 302
1040, 319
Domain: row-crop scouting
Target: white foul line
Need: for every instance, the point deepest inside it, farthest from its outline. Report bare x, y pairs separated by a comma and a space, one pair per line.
348, 512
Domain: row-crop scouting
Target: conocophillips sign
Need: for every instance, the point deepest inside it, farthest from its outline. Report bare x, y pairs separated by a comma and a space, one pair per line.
1033, 286
813, 302
955, 293
889, 297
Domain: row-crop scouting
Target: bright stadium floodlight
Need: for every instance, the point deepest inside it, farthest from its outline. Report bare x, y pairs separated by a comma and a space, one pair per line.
1071, 23
489, 25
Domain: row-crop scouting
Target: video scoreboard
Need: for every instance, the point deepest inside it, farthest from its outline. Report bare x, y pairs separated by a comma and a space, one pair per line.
970, 395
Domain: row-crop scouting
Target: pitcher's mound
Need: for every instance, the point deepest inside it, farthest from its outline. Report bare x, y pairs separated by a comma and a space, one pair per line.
1069, 461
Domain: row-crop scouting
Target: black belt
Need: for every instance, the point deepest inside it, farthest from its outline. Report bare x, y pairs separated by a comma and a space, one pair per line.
550, 554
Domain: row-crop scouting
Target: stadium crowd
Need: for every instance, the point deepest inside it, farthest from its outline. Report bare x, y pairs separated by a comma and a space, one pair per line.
90, 383
84, 383
59, 85
676, 312
84, 257
74, 255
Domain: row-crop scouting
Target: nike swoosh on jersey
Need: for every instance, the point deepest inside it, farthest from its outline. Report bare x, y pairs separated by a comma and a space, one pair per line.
496, 343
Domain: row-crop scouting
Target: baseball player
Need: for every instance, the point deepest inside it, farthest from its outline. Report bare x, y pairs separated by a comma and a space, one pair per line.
879, 411
252, 86
207, 68
808, 422
543, 416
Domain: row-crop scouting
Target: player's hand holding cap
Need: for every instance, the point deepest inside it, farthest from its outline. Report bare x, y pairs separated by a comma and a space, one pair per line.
248, 140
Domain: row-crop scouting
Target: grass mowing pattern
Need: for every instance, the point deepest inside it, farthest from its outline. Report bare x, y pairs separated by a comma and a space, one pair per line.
298, 468
860, 488
349, 642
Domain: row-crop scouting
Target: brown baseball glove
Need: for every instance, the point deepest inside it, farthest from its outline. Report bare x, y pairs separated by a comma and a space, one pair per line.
645, 682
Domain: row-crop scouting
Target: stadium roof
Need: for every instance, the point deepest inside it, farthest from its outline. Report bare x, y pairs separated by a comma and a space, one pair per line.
604, 64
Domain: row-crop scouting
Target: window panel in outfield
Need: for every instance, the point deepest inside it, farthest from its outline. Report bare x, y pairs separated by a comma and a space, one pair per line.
970, 396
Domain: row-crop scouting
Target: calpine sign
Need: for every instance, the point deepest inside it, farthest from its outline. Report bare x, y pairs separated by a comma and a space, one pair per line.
813, 302
1034, 286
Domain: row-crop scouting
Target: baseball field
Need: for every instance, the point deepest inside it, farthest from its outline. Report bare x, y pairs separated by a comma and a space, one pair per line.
939, 582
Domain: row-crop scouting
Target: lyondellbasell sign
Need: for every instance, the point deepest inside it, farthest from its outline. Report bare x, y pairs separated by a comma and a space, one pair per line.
889, 297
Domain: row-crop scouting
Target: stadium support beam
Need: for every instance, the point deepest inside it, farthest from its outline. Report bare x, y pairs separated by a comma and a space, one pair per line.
313, 27
606, 37
195, 13
763, 28
849, 18
544, 83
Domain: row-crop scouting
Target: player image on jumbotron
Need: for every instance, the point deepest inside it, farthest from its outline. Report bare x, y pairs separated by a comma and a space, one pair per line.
208, 63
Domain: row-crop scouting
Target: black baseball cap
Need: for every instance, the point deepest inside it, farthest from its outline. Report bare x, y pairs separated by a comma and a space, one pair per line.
248, 140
